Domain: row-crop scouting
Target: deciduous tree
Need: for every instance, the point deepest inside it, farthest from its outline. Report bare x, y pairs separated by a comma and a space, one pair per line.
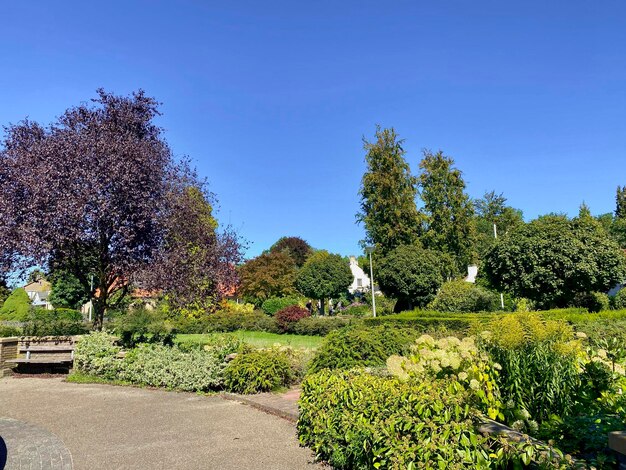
295, 247
268, 275
552, 259
324, 276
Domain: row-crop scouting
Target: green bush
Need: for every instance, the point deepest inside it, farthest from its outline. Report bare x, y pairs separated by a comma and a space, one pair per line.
96, 354
169, 367
619, 301
228, 321
58, 322
539, 361
356, 420
258, 371
593, 301
6, 331
142, 325
274, 304
357, 310
319, 326
16, 307
461, 296
361, 347
153, 364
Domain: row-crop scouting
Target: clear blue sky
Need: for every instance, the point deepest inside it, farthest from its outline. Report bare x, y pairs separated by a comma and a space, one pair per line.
271, 99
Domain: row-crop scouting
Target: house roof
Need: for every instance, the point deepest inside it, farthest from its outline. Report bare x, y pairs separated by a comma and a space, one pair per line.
38, 286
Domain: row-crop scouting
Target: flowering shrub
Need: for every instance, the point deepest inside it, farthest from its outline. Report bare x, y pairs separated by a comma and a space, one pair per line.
274, 304
457, 360
288, 316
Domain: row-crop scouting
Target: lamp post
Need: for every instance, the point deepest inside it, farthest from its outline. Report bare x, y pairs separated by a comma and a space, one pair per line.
369, 250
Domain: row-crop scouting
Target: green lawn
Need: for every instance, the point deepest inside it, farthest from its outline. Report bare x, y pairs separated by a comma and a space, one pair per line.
260, 339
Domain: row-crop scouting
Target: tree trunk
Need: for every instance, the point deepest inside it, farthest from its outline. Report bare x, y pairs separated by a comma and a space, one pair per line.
322, 306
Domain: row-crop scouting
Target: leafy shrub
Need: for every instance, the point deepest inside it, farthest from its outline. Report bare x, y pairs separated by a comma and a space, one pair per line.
384, 305
461, 296
539, 362
16, 307
162, 366
6, 331
274, 304
619, 301
361, 347
153, 364
210, 342
357, 420
319, 326
96, 354
58, 322
231, 306
228, 321
592, 301
288, 316
142, 325
258, 371
357, 310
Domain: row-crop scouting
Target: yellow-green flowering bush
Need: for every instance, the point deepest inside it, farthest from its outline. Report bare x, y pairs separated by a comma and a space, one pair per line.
454, 359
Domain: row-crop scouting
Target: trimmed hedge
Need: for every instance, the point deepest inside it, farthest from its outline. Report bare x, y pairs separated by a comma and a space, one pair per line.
360, 347
258, 371
356, 420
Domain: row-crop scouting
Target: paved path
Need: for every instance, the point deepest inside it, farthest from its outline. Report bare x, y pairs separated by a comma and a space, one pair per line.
284, 404
108, 427
26, 446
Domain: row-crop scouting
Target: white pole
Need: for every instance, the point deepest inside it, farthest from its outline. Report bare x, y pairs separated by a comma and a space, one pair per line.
495, 235
372, 285
91, 300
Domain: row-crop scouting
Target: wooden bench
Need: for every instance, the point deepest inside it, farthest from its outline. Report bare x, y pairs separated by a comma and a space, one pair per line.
45, 351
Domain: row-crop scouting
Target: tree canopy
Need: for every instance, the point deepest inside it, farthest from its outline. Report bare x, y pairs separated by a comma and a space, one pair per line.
100, 178
388, 190
269, 275
324, 276
295, 247
411, 274
552, 259
448, 209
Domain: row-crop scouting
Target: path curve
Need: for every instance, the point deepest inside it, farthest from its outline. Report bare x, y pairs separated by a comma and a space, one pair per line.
25, 445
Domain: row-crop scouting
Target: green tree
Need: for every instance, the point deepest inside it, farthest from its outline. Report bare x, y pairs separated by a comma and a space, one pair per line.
4, 291
16, 307
35, 275
411, 274
295, 247
388, 191
492, 209
67, 291
268, 275
552, 259
324, 276
448, 209
620, 202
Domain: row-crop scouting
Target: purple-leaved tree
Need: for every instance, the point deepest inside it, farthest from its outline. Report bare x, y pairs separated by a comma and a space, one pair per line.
93, 194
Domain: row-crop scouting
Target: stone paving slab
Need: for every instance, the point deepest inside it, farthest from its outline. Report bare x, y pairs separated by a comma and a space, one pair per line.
27, 446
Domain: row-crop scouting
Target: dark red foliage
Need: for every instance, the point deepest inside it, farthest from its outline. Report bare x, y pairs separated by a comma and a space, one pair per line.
91, 194
289, 315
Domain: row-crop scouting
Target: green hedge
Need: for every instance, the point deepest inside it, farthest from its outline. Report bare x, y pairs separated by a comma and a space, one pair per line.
356, 420
360, 346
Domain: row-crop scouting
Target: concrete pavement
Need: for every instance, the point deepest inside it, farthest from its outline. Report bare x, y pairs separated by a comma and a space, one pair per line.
110, 427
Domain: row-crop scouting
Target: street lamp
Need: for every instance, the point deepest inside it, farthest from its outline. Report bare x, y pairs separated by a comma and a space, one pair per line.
369, 250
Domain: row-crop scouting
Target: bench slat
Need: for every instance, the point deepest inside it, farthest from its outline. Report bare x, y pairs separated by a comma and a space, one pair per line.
47, 348
39, 361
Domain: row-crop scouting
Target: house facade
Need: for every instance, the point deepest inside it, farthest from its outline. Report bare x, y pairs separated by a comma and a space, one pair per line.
38, 293
360, 280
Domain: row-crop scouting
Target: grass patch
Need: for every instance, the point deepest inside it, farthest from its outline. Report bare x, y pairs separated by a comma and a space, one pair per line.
77, 377
258, 339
